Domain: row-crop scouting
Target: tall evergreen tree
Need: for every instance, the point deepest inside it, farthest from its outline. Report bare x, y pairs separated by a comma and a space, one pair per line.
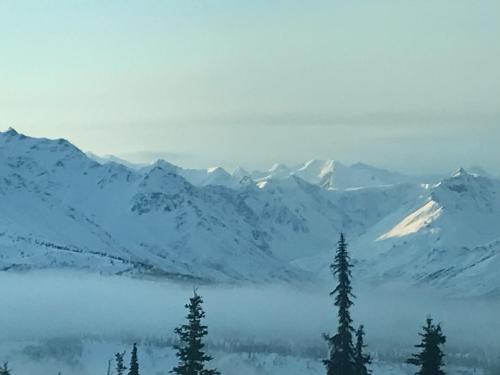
341, 360
5, 370
192, 358
120, 366
430, 358
134, 363
361, 360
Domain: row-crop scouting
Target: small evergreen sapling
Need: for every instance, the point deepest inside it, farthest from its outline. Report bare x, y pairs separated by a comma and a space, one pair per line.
361, 360
120, 366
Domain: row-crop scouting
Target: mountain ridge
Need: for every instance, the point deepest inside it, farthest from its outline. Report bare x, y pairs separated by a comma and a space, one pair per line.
61, 209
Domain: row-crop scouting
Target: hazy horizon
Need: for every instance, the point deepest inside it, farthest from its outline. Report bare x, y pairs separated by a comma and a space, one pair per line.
409, 86
142, 158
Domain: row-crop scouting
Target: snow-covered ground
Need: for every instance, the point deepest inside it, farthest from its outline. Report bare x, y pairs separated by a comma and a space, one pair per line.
86, 357
76, 322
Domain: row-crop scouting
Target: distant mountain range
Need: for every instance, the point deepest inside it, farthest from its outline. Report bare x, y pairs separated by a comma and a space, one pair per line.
329, 174
64, 209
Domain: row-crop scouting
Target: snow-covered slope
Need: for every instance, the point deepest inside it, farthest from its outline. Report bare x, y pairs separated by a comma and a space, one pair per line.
60, 208
452, 240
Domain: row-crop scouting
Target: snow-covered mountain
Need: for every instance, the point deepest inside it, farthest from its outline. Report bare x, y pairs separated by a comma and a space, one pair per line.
62, 209
335, 175
215, 176
332, 174
277, 171
451, 240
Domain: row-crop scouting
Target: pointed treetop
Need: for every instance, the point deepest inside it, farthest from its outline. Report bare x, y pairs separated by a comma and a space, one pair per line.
134, 363
342, 351
430, 358
190, 349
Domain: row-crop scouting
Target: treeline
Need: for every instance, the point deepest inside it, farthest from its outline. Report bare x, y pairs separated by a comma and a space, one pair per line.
346, 347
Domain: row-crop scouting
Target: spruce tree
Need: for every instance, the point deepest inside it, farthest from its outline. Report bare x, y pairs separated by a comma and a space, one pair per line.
5, 370
361, 360
430, 358
120, 366
134, 364
192, 358
341, 360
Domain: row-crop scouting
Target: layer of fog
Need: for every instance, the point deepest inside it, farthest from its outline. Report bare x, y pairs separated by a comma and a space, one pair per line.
46, 305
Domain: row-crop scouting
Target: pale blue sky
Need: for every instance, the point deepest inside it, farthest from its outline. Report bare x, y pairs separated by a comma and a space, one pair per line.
404, 84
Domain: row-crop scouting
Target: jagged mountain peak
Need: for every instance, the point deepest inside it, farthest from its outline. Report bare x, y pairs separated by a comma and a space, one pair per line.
276, 167
240, 171
465, 190
461, 173
24, 155
333, 174
242, 175
320, 166
163, 165
22, 144
454, 202
218, 171
279, 170
462, 210
316, 170
163, 178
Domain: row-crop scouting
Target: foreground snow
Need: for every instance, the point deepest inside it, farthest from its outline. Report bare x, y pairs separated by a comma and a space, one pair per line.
86, 357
